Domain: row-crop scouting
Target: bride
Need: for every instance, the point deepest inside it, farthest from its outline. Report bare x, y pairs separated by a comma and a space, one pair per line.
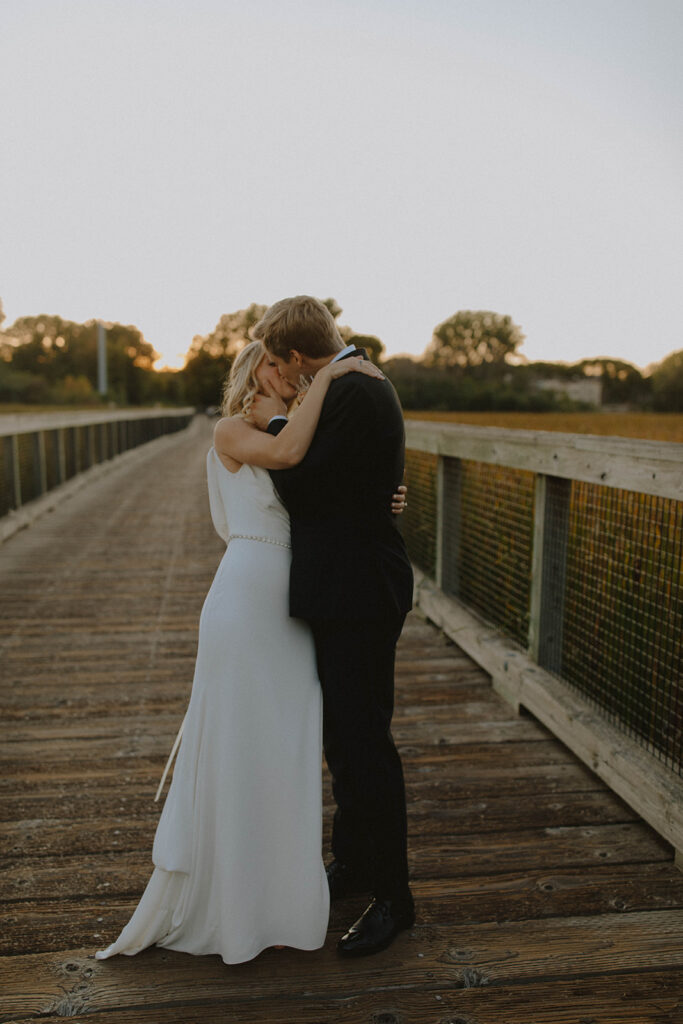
237, 852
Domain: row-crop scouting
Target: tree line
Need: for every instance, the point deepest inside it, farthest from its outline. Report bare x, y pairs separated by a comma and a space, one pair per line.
471, 363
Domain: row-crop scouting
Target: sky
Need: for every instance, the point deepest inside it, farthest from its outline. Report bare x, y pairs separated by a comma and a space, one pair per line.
164, 162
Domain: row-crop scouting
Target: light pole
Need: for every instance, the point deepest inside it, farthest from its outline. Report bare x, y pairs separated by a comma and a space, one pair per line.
101, 358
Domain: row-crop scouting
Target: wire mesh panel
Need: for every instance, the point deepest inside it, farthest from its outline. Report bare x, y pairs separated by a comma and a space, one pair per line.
7, 483
52, 458
30, 483
418, 522
623, 628
83, 447
488, 533
71, 450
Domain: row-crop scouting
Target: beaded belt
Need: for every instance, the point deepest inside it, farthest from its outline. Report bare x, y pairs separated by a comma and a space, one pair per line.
251, 536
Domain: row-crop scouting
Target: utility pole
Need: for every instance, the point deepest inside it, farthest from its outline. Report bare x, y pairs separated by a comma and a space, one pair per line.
101, 358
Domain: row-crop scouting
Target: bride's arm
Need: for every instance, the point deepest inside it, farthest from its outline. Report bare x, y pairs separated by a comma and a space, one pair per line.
241, 441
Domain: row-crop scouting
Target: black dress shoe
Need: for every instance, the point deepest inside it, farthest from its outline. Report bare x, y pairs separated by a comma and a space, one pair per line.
344, 880
378, 927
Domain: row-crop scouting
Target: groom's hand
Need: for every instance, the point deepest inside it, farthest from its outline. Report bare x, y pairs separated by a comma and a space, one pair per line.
264, 407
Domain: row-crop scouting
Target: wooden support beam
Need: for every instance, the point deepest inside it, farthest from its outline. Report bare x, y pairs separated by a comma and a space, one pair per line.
548, 571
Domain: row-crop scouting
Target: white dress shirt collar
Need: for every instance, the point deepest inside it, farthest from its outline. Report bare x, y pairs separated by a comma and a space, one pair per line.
344, 352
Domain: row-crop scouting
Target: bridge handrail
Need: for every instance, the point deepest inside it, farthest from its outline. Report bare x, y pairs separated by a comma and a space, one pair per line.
650, 467
30, 422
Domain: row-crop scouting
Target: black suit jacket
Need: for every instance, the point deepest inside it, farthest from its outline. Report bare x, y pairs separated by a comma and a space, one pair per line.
348, 558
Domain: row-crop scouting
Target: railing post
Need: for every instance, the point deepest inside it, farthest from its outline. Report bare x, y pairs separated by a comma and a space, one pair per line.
438, 560
548, 570
12, 457
39, 467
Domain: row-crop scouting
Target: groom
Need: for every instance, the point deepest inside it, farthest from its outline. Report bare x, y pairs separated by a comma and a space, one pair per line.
352, 581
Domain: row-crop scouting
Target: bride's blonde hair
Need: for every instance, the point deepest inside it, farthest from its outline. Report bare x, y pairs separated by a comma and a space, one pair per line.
241, 385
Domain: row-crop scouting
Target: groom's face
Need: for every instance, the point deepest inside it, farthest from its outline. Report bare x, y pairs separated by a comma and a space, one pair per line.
290, 371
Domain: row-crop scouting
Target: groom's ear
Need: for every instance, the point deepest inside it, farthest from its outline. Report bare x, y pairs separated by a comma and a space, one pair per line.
295, 357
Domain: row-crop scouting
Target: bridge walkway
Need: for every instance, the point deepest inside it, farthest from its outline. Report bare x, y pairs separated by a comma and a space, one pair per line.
541, 897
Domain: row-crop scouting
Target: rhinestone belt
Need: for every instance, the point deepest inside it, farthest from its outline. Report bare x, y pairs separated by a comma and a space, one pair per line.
251, 536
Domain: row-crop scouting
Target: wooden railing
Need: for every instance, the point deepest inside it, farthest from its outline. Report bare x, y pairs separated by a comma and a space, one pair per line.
41, 451
556, 561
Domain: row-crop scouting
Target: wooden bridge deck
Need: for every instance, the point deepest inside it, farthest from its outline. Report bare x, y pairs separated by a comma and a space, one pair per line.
540, 896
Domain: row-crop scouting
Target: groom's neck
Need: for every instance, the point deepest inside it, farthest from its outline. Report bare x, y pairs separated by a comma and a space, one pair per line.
313, 365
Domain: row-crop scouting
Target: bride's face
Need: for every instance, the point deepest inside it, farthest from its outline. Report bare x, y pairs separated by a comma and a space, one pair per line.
268, 371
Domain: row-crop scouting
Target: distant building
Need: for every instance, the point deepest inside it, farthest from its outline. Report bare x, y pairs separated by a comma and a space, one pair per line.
588, 390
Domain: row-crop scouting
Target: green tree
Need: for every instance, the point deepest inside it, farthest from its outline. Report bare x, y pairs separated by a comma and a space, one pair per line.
334, 307
210, 356
372, 345
53, 349
667, 383
622, 383
475, 340
230, 334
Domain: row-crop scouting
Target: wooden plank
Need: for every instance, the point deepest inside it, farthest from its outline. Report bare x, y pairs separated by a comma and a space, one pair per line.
100, 794
636, 999
107, 873
110, 801
140, 744
438, 956
649, 998
63, 726
44, 923
50, 836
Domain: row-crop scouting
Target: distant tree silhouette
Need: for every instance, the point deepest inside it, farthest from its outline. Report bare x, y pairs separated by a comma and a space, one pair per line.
667, 383
474, 340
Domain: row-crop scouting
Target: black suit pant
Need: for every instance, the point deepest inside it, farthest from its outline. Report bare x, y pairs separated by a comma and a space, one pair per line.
356, 669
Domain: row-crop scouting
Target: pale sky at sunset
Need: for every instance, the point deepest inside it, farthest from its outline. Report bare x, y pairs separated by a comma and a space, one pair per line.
163, 162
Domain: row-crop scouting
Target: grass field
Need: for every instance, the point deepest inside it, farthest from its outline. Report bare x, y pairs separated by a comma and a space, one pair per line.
649, 425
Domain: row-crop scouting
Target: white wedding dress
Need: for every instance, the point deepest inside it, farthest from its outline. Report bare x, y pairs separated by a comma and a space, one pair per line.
238, 849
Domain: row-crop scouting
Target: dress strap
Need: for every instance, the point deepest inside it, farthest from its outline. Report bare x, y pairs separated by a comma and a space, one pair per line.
176, 744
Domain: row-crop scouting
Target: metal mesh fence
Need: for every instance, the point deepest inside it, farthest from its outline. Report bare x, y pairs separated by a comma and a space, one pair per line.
7, 500
30, 485
623, 612
52, 459
71, 449
418, 522
488, 524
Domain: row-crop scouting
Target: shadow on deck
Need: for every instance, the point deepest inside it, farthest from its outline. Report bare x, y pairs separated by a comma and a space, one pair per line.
540, 896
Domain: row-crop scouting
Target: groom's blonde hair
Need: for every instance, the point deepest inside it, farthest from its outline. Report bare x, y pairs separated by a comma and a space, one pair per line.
302, 323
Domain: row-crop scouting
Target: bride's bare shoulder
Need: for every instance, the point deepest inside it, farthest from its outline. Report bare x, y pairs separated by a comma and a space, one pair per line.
227, 427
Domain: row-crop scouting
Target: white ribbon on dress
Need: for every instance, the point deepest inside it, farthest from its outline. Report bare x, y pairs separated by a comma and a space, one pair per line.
176, 744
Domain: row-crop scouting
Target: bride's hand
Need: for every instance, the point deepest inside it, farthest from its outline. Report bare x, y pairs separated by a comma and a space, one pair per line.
399, 502
353, 364
264, 407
